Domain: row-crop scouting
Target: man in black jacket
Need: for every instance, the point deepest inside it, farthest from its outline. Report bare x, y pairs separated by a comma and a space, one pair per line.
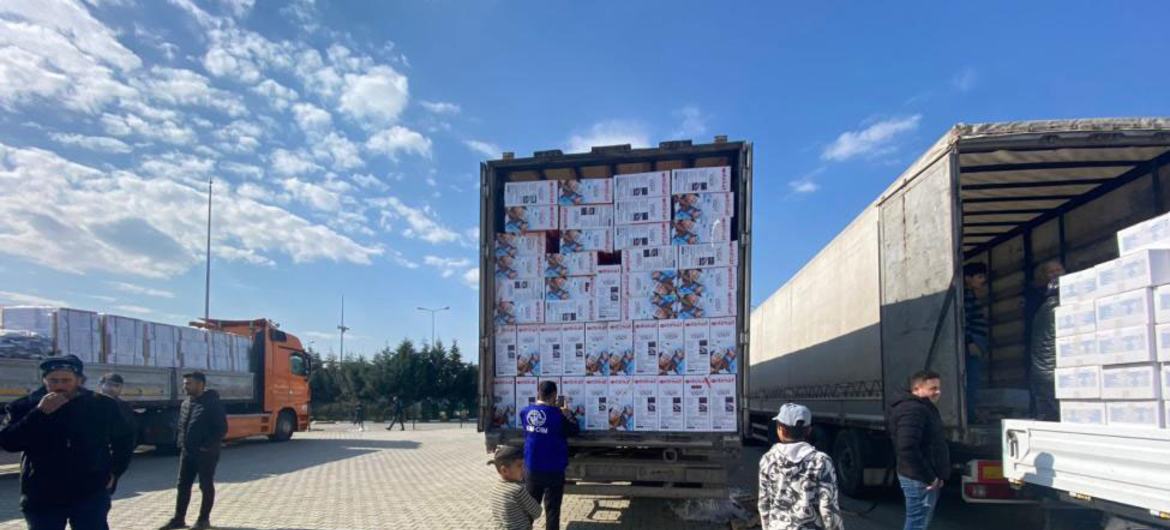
75, 445
202, 426
920, 444
1042, 377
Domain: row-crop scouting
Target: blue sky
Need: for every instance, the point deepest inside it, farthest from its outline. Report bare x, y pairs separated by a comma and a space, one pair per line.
345, 137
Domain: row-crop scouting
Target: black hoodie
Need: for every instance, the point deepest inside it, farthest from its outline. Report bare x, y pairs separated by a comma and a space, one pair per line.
920, 441
202, 423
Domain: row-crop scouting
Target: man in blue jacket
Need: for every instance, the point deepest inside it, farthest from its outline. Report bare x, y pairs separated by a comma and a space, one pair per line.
547, 426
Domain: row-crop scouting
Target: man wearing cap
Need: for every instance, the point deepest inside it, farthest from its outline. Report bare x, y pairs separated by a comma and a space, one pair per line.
798, 487
202, 426
75, 445
111, 387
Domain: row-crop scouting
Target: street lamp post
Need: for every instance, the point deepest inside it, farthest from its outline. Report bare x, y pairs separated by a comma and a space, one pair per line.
432, 312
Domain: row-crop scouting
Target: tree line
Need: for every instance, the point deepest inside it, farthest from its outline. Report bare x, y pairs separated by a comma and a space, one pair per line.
432, 381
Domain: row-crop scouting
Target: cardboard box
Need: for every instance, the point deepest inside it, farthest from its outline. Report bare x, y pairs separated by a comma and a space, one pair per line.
194, 351
672, 352
1075, 318
646, 403
597, 403
573, 349
621, 404
568, 288
698, 404
1082, 412
708, 256
1143, 268
597, 350
1077, 350
552, 359
700, 231
1153, 233
1126, 345
573, 388
1162, 304
608, 300
672, 403
651, 295
513, 313
520, 290
504, 403
649, 259
515, 268
525, 397
621, 349
587, 191
1078, 286
528, 350
162, 345
516, 245
641, 185
1081, 382
242, 353
124, 339
521, 219
641, 235
1108, 279
697, 335
219, 355
691, 206
700, 180
646, 347
587, 240
706, 293
568, 311
574, 264
529, 193
506, 351
645, 210
724, 417
78, 333
1162, 342
1132, 308
587, 216
724, 354
1131, 382
1165, 373
1141, 414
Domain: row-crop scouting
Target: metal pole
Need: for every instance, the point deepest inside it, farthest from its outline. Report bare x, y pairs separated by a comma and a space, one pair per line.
432, 312
341, 327
207, 282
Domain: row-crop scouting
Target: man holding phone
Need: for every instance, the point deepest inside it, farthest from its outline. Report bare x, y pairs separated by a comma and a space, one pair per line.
546, 449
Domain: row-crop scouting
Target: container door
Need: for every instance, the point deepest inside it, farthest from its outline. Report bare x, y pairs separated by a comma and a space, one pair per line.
921, 302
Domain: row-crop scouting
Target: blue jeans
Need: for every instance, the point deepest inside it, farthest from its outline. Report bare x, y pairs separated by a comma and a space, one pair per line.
920, 503
974, 383
88, 514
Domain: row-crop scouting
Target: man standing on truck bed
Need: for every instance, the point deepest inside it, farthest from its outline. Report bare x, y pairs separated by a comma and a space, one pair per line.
202, 426
75, 443
547, 426
798, 487
920, 445
975, 330
1042, 376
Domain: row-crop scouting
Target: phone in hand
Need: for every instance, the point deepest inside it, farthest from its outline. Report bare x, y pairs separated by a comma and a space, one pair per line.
560, 402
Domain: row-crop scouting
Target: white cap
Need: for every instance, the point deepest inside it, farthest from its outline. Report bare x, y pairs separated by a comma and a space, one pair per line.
793, 415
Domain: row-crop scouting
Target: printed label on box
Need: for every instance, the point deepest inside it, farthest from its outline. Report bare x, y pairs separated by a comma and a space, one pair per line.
520, 290
568, 288
723, 404
621, 349
692, 206
1135, 414
512, 313
527, 350
597, 403
700, 180
552, 359
575, 264
1075, 318
649, 259
1132, 308
1154, 233
506, 351
1078, 286
1131, 382
1077, 350
1108, 279
724, 356
646, 403
587, 240
672, 352
525, 396
597, 350
700, 231
705, 293
573, 388
697, 334
1082, 382
698, 404
1144, 268
641, 235
647, 210
504, 403
640, 185
573, 348
708, 256
646, 347
587, 216
621, 404
651, 295
519, 219
1126, 345
568, 311
587, 191
671, 401
1082, 412
531, 193
516, 245
515, 268
608, 293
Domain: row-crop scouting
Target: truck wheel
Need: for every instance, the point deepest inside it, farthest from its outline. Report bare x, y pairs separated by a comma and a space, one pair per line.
286, 423
849, 460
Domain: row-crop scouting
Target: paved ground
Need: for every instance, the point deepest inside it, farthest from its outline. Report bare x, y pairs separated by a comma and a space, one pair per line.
432, 478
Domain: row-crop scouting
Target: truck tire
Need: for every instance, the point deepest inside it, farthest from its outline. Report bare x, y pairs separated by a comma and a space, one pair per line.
849, 461
286, 423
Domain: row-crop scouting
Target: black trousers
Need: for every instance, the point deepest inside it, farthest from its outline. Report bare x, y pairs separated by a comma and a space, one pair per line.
199, 465
549, 488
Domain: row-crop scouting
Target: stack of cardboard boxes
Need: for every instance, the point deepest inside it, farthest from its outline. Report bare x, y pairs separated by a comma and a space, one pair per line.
1113, 334
623, 291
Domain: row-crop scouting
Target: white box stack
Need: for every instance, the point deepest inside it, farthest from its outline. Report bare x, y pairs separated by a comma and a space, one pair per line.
71, 331
162, 345
625, 290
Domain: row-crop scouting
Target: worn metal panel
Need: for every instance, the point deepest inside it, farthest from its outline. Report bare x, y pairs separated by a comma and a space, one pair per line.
1046, 241
1111, 212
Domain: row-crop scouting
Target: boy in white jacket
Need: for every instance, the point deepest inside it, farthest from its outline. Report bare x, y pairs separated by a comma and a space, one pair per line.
798, 487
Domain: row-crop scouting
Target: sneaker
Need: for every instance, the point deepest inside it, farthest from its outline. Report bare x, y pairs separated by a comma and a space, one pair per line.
201, 525
173, 525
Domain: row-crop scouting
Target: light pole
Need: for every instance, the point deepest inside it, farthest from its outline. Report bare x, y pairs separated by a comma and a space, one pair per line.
342, 328
207, 281
432, 312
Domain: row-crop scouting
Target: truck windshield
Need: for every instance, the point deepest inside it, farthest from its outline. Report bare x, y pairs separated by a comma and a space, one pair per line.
299, 365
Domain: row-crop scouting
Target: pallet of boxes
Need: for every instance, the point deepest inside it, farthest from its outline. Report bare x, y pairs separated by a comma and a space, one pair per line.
622, 290
1113, 334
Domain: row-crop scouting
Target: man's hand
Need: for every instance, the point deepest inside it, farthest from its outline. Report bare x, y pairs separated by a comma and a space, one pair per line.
936, 485
567, 412
51, 402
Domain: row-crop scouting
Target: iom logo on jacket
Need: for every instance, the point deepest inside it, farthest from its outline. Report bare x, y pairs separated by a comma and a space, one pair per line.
535, 421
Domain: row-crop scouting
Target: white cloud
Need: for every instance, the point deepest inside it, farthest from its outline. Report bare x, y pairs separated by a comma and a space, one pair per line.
370, 182
471, 278
692, 123
313, 120
164, 130
243, 170
279, 96
376, 97
398, 139
14, 298
343, 153
182, 167
612, 132
446, 266
965, 80
487, 149
238, 8
288, 163
314, 195
441, 107
184, 87
875, 139
138, 289
421, 222
240, 136
93, 143
136, 309
401, 260
804, 185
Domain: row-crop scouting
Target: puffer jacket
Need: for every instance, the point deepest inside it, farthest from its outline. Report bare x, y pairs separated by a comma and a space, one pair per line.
202, 423
1043, 340
920, 442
